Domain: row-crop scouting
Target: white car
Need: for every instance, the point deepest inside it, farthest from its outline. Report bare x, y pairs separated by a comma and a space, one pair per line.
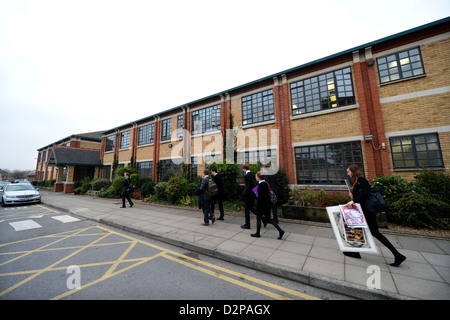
18, 193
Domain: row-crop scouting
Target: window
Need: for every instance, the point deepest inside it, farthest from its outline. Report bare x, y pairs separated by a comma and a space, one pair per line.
145, 169
166, 129
125, 139
194, 168
331, 90
416, 151
326, 164
180, 126
107, 172
168, 169
146, 134
110, 143
258, 107
402, 65
261, 157
207, 119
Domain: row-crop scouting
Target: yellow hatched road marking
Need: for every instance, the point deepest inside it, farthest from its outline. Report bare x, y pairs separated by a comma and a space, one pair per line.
168, 254
228, 279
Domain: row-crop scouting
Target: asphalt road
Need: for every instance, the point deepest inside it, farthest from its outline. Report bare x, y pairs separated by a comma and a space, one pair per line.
47, 254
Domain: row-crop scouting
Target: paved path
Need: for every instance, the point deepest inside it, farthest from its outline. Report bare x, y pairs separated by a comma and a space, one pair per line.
308, 253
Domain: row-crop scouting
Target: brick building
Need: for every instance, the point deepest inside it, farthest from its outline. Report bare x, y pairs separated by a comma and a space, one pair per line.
69, 160
384, 105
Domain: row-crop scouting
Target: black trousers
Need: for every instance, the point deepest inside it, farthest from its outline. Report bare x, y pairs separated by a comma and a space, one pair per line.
373, 227
248, 206
207, 214
126, 195
266, 216
217, 199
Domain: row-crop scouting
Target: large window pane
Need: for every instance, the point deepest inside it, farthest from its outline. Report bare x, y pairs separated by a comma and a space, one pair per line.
326, 164
416, 151
331, 90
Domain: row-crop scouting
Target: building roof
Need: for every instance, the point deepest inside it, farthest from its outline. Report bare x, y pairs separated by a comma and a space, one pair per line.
61, 156
444, 21
91, 136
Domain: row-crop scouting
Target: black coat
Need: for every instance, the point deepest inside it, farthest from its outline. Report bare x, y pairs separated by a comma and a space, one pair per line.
263, 203
203, 191
361, 192
218, 180
250, 183
127, 185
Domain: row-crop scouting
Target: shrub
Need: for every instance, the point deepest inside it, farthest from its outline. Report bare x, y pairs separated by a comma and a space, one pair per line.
177, 187
101, 184
435, 183
135, 181
307, 197
117, 185
417, 209
421, 204
49, 183
86, 185
109, 193
147, 187
160, 190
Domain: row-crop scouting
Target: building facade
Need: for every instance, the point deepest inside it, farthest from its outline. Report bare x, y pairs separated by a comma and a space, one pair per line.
69, 160
384, 105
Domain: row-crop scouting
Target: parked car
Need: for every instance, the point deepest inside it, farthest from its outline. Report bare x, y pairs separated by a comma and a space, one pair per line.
18, 193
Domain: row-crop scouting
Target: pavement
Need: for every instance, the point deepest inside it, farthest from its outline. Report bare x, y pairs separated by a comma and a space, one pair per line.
308, 252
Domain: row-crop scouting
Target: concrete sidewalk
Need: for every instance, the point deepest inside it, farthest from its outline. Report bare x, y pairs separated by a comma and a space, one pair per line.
308, 253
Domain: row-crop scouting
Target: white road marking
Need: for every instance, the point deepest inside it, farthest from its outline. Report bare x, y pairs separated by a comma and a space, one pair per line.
25, 225
65, 218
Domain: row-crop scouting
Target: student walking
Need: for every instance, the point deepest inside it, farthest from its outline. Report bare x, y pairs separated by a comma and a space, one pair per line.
203, 192
272, 181
360, 193
219, 197
249, 195
126, 190
263, 205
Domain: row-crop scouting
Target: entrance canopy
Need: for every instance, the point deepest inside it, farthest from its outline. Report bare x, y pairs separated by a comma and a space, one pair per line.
74, 157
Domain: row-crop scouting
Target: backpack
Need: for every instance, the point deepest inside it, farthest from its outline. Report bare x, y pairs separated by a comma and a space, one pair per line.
213, 190
273, 196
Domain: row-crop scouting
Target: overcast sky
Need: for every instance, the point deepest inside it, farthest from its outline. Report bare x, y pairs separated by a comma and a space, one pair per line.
70, 67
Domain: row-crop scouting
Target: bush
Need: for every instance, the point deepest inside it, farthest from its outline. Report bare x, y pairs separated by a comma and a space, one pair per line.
160, 190
147, 187
307, 197
117, 186
135, 181
108, 193
101, 184
177, 187
86, 185
49, 183
392, 188
418, 210
423, 203
435, 183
